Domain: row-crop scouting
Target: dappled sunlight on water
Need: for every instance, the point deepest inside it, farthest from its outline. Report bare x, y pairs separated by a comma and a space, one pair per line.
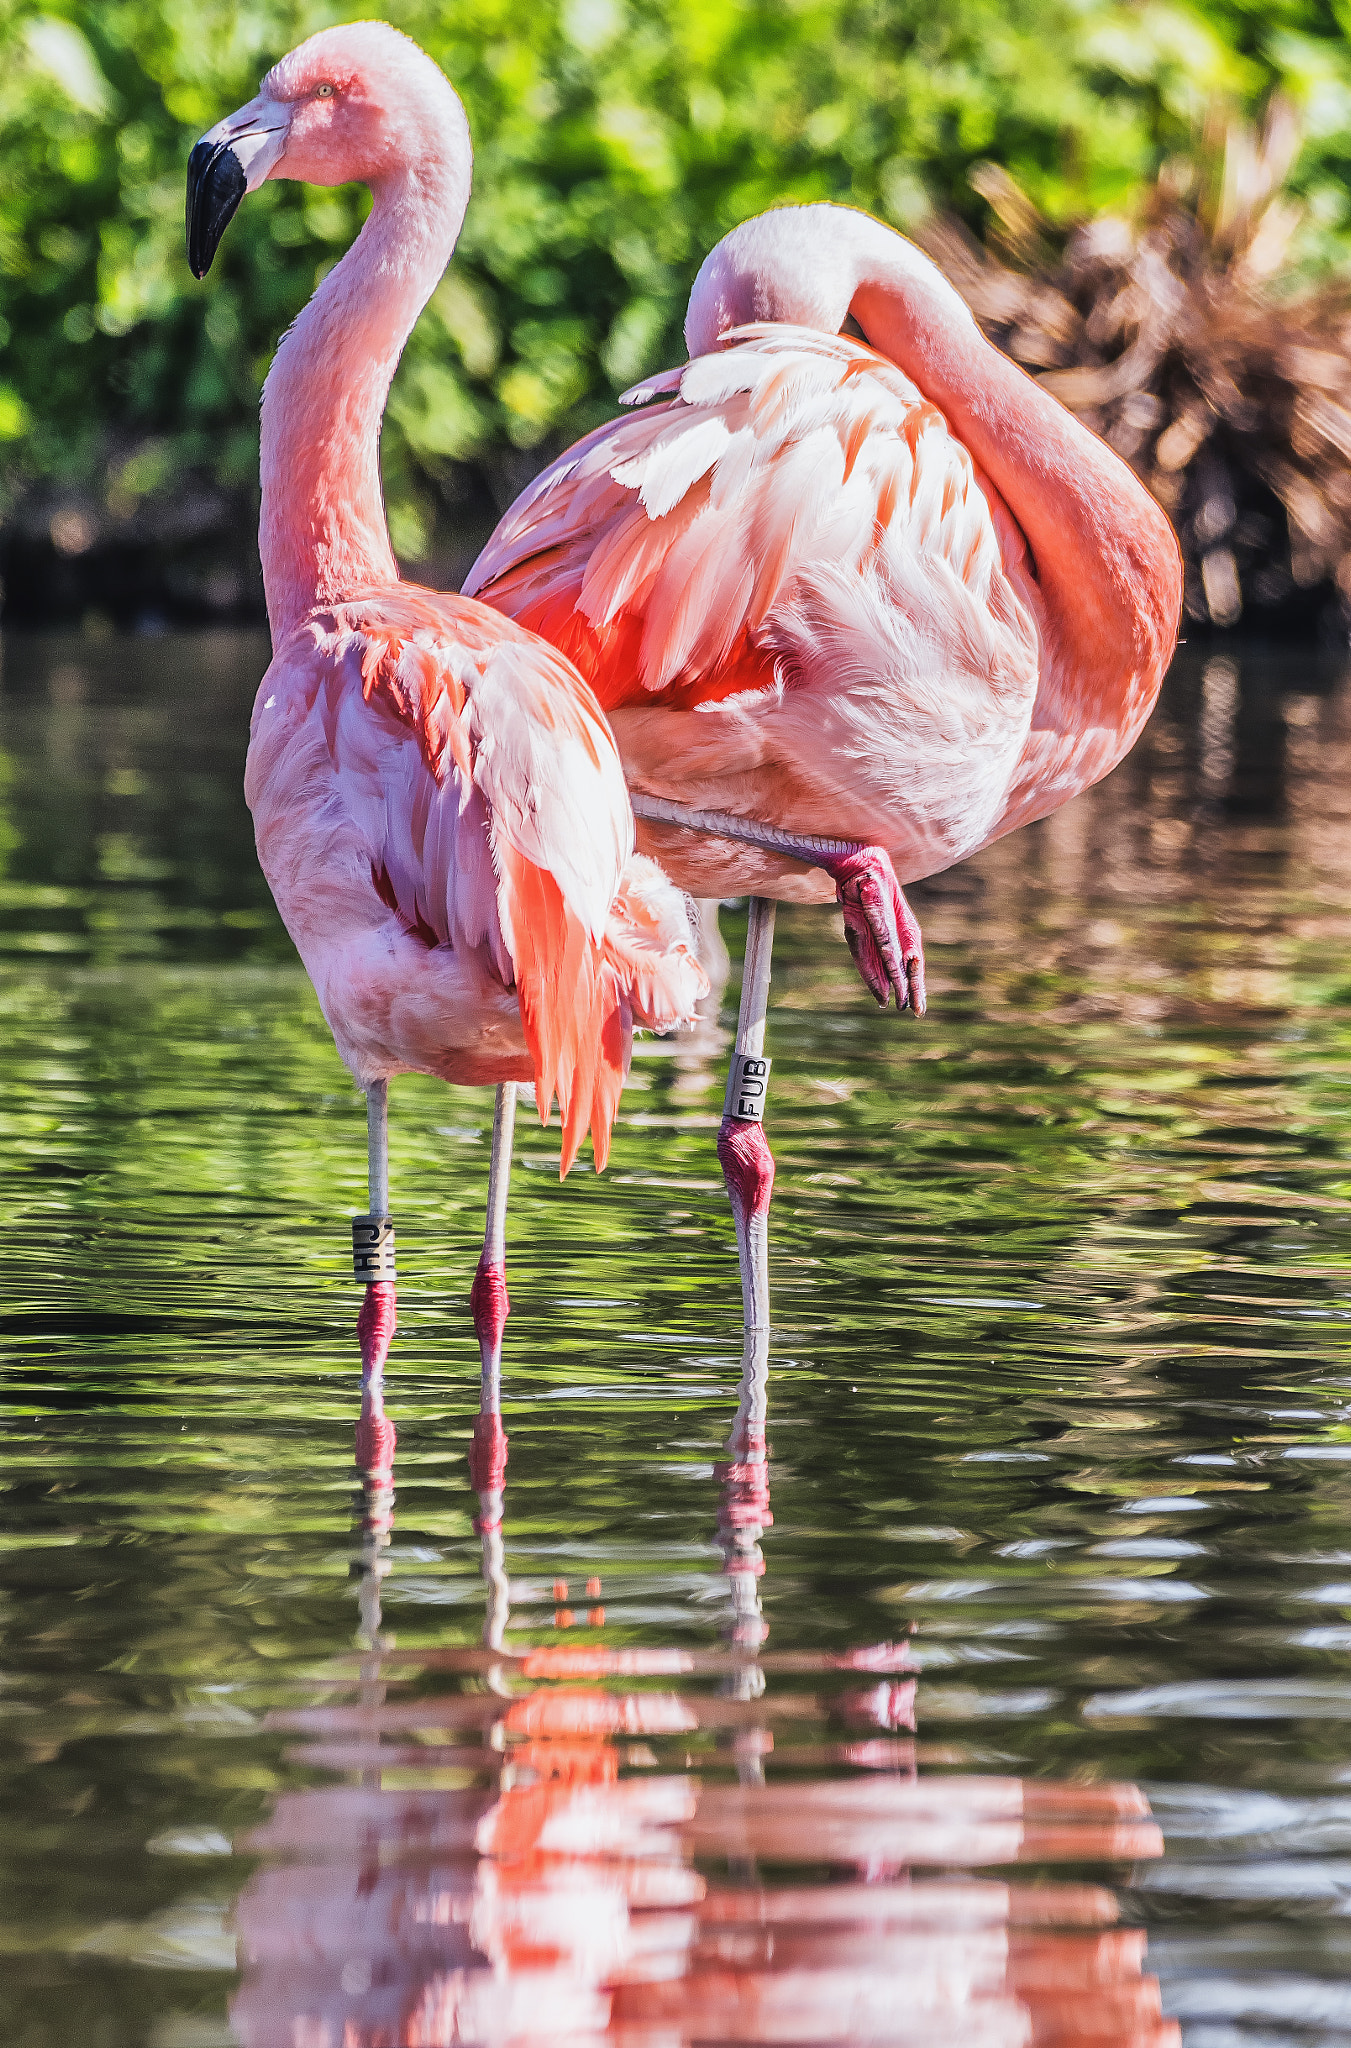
1059, 1381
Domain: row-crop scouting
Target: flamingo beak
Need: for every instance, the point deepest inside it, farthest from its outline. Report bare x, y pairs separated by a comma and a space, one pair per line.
231, 159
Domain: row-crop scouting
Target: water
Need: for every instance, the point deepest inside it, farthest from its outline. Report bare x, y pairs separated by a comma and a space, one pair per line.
1060, 1381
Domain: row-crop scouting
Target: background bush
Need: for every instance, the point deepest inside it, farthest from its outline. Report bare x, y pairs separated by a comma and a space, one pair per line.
615, 139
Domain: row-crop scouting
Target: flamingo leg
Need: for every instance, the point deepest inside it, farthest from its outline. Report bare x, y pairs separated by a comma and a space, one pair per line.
373, 1242
881, 929
488, 1296
743, 1151
489, 1301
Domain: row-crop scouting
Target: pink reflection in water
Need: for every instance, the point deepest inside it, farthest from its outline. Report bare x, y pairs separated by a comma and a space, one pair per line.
508, 1865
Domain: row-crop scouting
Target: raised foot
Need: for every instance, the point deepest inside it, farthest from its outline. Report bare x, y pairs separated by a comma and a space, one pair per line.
881, 929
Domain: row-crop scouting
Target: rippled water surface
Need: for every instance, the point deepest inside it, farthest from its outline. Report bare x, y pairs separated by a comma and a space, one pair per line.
1059, 1382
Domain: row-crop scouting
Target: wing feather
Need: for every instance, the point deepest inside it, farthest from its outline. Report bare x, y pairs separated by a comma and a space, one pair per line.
652, 387
678, 534
630, 556
490, 786
673, 464
698, 600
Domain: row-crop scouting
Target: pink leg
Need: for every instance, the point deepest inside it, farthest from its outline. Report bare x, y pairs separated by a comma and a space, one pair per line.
376, 1437
376, 1325
488, 1296
373, 1242
743, 1150
748, 1169
491, 1305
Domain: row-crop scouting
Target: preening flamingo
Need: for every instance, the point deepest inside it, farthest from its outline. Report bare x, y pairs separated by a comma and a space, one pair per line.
438, 801
856, 604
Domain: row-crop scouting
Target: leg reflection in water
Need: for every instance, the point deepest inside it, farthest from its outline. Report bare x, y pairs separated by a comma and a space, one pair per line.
516, 1847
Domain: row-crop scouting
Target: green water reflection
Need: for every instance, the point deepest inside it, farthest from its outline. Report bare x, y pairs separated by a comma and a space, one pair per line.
1062, 1287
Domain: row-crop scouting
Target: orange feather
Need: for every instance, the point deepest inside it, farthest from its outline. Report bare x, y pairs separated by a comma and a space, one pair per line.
572, 1008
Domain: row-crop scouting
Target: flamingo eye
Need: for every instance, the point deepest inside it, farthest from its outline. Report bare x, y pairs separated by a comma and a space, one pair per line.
324, 92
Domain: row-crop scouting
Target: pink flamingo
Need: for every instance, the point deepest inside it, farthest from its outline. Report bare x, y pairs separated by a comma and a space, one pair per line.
856, 604
439, 805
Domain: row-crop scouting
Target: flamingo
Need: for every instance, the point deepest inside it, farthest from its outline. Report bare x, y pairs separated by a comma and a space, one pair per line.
856, 602
438, 801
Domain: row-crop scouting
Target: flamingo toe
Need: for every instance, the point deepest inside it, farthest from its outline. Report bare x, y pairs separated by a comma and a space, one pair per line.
881, 929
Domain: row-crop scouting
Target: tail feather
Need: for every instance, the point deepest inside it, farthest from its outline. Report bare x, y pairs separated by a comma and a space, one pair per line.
616, 1043
535, 926
584, 1046
581, 995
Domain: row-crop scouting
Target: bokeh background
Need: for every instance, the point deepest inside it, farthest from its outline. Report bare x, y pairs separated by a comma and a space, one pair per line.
1205, 147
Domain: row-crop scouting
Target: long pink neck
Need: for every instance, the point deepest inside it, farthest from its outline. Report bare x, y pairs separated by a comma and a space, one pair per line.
1106, 561
323, 533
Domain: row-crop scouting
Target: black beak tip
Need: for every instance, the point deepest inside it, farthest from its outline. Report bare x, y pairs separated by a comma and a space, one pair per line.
216, 184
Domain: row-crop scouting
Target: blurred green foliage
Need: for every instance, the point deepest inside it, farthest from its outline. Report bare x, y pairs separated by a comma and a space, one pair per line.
616, 140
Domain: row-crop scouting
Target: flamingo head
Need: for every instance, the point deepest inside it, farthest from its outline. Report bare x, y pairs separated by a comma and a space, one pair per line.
803, 266
360, 103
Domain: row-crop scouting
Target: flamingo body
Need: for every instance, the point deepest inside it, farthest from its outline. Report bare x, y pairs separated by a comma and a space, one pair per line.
791, 543
441, 815
799, 590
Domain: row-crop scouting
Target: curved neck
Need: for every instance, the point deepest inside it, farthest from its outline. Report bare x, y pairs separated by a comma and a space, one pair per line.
323, 535
1105, 558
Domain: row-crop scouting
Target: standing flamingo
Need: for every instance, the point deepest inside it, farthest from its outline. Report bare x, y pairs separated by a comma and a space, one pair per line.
439, 806
855, 606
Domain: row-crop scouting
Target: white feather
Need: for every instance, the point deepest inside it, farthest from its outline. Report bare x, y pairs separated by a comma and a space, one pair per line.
664, 474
